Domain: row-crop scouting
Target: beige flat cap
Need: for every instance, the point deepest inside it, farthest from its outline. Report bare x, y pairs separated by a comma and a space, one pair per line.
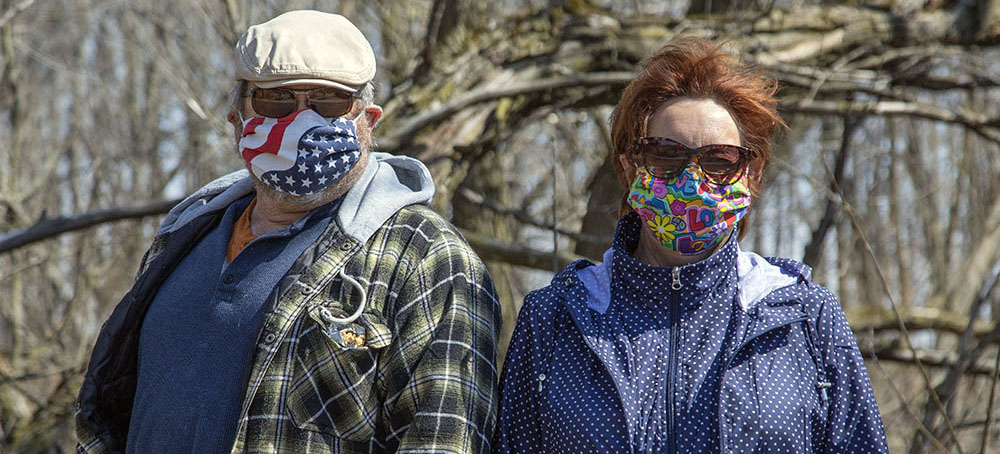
305, 47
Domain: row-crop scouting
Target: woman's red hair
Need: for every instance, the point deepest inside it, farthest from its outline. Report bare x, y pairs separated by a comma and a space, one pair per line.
695, 68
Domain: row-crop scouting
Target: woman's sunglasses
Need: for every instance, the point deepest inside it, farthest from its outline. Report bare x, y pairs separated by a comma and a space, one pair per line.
664, 158
280, 102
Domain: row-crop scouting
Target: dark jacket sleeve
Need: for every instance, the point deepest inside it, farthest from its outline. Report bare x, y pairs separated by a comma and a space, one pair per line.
519, 413
854, 424
87, 441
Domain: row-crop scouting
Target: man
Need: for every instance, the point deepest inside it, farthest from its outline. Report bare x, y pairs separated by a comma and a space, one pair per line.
312, 304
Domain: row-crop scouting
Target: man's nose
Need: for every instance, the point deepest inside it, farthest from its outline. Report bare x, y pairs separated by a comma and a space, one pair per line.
301, 101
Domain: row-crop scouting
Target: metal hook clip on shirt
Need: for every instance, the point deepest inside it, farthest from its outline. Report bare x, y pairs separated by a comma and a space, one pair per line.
353, 335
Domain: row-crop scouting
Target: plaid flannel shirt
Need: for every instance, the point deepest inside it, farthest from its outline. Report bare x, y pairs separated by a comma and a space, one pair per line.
425, 380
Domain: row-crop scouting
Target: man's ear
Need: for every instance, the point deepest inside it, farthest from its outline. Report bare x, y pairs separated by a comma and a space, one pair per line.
372, 115
233, 119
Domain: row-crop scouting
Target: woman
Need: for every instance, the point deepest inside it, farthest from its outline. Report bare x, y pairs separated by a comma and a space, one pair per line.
680, 342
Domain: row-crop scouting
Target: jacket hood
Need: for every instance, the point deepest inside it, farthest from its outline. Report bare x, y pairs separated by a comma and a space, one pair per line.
387, 184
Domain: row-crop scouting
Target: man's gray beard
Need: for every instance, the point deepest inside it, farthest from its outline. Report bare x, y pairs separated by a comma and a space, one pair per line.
327, 195
285, 198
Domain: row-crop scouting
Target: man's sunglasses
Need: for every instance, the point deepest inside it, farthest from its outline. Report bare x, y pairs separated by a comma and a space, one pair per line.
664, 158
280, 102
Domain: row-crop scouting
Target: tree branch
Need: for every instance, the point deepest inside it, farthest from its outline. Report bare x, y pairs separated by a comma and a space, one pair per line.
814, 249
18, 8
523, 217
411, 127
917, 318
501, 251
981, 124
488, 248
49, 228
933, 358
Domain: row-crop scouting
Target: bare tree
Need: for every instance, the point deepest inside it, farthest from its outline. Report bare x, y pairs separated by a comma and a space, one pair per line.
887, 182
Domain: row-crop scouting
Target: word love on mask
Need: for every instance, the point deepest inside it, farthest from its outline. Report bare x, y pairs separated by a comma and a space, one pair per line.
302, 153
686, 212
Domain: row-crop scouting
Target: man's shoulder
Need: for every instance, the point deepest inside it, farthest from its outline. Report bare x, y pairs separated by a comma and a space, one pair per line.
419, 219
418, 213
415, 234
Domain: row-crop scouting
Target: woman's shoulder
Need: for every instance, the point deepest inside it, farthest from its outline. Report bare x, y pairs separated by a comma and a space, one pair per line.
776, 280
565, 290
820, 305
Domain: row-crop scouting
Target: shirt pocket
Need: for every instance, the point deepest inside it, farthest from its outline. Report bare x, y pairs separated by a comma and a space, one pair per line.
334, 389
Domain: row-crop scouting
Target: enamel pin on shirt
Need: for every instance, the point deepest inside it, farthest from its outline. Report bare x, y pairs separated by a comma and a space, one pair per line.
350, 337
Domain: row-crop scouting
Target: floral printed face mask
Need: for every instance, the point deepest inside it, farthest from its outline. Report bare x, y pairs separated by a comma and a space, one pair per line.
686, 212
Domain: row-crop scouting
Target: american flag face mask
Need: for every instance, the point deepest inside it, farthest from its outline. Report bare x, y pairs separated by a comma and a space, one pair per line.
302, 153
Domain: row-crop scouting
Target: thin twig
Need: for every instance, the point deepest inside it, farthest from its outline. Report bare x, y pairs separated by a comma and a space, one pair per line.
985, 442
555, 211
836, 66
525, 218
849, 210
902, 401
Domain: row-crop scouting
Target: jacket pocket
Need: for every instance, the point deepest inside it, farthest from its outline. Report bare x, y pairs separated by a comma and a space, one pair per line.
333, 389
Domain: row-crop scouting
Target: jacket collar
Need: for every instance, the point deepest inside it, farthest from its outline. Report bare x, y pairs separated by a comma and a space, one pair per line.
633, 280
779, 308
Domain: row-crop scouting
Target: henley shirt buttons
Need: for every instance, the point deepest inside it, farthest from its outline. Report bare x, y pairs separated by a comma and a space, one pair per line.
269, 337
229, 279
345, 246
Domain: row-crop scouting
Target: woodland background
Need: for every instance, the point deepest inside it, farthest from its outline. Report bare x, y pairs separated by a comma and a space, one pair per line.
886, 182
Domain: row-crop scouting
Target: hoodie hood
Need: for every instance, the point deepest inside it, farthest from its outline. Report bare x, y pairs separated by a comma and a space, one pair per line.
387, 184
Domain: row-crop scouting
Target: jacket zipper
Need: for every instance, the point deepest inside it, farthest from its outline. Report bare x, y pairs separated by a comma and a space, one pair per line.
672, 356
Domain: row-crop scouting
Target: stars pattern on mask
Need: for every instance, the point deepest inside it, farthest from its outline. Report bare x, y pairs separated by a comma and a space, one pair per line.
325, 155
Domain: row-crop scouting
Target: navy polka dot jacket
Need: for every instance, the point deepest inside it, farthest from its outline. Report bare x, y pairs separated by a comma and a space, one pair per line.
732, 354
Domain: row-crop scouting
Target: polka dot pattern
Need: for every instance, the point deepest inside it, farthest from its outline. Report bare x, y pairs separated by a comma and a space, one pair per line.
686, 370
